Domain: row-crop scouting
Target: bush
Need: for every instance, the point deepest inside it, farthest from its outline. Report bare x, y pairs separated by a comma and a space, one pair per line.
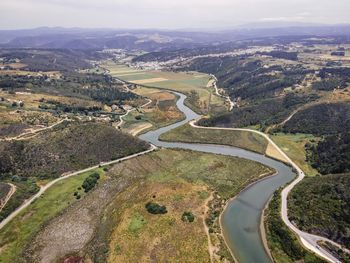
187, 217
154, 208
90, 182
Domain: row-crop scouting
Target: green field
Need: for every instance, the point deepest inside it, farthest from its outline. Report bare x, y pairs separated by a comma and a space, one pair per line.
294, 146
16, 234
242, 139
201, 98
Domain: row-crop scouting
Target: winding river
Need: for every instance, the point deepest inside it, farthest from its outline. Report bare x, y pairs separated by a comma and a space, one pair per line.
242, 217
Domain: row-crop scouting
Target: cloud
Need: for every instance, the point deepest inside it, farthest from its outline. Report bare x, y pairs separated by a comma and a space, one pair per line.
282, 18
166, 13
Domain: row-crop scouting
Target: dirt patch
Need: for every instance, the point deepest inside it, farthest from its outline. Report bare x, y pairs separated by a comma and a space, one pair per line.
139, 128
274, 153
71, 231
145, 81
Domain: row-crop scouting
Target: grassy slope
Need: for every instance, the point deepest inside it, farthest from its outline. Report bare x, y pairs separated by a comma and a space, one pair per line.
327, 209
241, 139
15, 235
179, 179
294, 146
283, 244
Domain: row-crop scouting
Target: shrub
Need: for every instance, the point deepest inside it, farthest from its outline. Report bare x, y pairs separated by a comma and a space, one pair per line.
154, 208
187, 217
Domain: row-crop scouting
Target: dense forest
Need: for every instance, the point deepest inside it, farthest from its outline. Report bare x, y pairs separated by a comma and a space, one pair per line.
331, 155
245, 77
321, 119
264, 113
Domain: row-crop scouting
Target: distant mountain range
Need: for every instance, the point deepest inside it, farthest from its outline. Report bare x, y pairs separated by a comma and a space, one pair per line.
151, 40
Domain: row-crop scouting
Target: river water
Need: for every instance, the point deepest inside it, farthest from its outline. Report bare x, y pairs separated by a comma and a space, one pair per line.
242, 216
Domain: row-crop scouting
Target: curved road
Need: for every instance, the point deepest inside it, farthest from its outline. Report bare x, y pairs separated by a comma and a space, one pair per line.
47, 186
308, 240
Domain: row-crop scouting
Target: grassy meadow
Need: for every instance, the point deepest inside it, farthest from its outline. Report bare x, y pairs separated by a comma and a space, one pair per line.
242, 139
294, 146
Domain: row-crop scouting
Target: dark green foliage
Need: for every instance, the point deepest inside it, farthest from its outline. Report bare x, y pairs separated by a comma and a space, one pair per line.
280, 236
329, 84
98, 87
187, 217
321, 205
332, 155
244, 77
321, 119
266, 112
155, 208
90, 182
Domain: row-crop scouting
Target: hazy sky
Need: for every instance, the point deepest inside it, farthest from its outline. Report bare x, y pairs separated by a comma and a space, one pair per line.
167, 14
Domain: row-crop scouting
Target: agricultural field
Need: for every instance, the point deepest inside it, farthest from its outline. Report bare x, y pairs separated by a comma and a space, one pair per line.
201, 98
162, 177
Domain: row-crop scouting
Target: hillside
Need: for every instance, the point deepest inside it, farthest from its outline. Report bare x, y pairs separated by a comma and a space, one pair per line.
321, 119
321, 205
332, 155
72, 147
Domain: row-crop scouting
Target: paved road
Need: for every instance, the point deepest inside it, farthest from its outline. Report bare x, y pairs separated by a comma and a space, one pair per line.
308, 240
47, 186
